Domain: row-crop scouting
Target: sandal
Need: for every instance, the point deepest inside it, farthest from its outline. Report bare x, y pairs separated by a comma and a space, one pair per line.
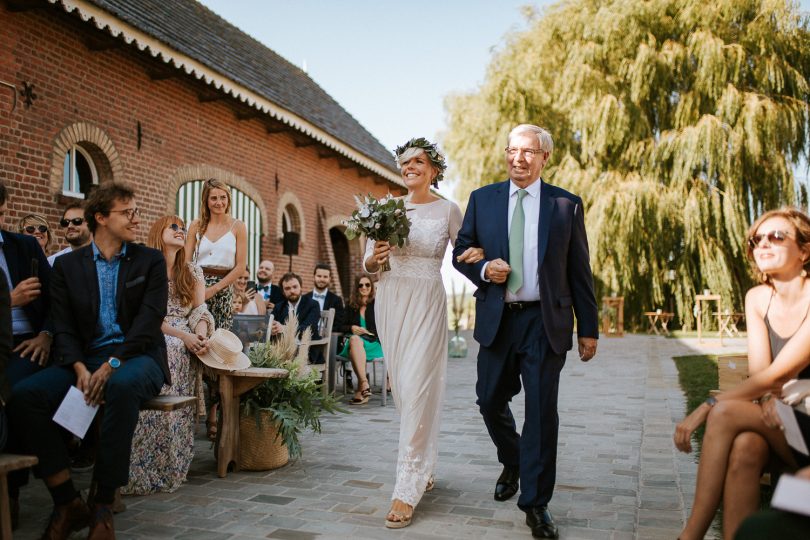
400, 519
212, 431
359, 401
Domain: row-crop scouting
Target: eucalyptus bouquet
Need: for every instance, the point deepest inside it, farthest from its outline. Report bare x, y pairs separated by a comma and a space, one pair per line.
380, 220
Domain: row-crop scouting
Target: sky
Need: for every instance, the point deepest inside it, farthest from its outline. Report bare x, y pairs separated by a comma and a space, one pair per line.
389, 64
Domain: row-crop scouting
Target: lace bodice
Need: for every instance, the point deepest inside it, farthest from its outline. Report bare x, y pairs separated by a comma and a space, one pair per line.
432, 225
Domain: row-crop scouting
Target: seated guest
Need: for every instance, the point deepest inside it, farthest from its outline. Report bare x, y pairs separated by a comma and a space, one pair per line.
363, 344
272, 294
249, 304
163, 443
76, 232
37, 226
307, 311
27, 275
109, 303
776, 313
326, 299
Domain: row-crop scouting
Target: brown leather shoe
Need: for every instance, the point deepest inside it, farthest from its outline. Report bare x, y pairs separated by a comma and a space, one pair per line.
102, 527
66, 519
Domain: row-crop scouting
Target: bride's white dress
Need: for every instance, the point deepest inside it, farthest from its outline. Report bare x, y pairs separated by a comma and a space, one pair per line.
411, 316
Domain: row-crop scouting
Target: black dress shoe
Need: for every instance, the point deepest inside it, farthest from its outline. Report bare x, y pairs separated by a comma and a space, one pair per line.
507, 484
541, 523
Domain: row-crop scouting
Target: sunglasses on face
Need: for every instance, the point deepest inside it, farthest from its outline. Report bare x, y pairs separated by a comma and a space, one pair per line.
365, 285
175, 227
31, 229
77, 221
773, 237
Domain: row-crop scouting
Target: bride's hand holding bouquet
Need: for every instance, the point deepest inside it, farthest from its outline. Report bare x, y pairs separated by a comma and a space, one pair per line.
385, 221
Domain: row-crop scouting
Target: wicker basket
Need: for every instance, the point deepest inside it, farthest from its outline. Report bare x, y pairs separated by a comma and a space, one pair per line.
259, 448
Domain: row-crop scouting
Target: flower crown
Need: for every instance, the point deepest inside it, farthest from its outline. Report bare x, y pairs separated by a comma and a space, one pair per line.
432, 152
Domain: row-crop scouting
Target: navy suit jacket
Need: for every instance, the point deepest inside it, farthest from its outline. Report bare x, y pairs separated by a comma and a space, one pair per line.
308, 311
331, 301
20, 250
142, 295
564, 271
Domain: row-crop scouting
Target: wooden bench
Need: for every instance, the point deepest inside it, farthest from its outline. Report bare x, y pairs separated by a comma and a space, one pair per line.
169, 403
8, 463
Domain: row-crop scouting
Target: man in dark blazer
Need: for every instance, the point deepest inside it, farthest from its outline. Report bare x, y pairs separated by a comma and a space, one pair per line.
535, 277
109, 302
28, 277
271, 293
322, 276
307, 310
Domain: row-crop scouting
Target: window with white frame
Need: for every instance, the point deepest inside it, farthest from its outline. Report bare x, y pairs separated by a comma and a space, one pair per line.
79, 173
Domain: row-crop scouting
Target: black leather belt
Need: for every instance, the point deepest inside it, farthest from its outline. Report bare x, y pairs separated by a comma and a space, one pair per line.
520, 306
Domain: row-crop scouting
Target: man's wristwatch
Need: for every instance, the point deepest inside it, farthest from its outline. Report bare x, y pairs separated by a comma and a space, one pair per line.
711, 401
114, 362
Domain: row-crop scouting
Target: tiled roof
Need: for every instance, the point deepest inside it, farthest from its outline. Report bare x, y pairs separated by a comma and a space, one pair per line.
195, 31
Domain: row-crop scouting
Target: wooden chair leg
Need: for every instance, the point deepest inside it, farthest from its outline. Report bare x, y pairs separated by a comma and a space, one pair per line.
5, 512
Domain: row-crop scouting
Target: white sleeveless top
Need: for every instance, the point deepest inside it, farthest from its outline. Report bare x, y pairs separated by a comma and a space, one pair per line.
220, 254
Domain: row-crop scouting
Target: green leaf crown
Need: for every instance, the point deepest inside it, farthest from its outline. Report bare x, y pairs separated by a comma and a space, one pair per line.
432, 152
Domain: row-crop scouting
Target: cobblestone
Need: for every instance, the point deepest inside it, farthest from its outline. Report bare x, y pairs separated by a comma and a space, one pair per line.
618, 477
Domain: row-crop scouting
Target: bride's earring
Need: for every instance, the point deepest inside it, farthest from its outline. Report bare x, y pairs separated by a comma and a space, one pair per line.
804, 272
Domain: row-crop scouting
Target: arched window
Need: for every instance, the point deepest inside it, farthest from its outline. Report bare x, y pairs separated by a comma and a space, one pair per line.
290, 220
242, 208
78, 173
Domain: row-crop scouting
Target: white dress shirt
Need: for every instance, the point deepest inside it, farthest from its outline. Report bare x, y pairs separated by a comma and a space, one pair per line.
319, 296
530, 290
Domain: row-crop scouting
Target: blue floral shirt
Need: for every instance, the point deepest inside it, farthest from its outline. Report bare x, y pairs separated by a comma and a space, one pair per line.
108, 332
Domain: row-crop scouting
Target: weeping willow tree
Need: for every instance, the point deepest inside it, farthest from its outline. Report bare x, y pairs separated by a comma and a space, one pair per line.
677, 121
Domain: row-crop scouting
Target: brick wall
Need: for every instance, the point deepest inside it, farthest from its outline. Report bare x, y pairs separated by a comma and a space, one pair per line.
112, 90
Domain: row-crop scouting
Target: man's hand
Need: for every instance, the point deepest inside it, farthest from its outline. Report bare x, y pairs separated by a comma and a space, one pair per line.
276, 328
471, 255
497, 271
39, 348
82, 377
269, 305
26, 292
95, 387
587, 348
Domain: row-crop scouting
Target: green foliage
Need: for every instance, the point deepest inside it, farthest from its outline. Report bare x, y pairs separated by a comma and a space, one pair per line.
296, 402
677, 121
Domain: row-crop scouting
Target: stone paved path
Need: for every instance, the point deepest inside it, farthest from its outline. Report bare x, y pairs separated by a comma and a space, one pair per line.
619, 476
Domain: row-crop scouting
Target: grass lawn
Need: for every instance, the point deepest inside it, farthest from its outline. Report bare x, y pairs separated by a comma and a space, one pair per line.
697, 375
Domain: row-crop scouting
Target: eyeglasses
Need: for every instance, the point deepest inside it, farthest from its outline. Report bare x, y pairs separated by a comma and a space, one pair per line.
773, 237
175, 227
130, 213
77, 221
31, 229
528, 153
365, 285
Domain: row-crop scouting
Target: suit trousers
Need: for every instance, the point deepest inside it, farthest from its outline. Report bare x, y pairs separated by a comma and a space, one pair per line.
35, 400
522, 351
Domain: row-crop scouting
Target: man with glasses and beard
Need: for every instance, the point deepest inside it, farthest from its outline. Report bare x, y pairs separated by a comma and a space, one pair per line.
76, 232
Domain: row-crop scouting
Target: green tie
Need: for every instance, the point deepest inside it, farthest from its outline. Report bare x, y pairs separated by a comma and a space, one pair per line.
515, 281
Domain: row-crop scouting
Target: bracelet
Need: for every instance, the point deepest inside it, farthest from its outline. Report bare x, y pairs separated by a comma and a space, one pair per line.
764, 399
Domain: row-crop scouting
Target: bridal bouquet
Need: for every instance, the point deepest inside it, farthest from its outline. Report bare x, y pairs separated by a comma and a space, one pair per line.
381, 220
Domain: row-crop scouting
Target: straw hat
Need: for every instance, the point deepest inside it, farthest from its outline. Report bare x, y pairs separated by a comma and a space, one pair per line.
224, 352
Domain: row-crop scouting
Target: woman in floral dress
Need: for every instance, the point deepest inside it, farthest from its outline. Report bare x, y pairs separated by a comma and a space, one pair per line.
163, 444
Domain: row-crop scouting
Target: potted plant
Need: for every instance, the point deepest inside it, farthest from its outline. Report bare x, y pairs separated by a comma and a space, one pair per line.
458, 345
273, 414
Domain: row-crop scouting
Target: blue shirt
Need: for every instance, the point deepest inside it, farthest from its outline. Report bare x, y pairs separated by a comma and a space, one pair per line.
19, 320
108, 332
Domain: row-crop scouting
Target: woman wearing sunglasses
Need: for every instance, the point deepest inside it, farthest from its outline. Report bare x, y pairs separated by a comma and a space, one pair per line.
163, 444
741, 432
37, 226
363, 344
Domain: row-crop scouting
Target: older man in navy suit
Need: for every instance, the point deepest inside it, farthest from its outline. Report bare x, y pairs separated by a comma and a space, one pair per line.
535, 277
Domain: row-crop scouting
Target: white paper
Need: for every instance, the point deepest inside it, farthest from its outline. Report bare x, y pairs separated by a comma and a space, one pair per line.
74, 414
792, 494
792, 432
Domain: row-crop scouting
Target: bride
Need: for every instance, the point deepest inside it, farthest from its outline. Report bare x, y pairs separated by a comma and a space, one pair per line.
411, 313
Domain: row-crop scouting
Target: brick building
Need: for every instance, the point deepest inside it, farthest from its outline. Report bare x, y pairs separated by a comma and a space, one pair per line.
164, 95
